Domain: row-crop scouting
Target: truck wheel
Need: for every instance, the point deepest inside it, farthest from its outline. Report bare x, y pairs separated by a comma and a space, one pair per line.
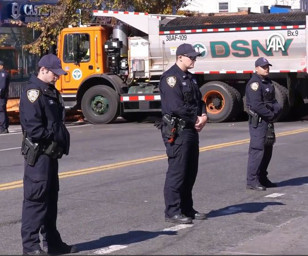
281, 95
221, 101
100, 104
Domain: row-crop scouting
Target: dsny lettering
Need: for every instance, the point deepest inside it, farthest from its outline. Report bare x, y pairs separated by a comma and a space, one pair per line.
243, 48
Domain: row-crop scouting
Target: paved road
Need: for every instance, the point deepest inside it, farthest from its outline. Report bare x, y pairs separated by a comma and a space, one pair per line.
111, 199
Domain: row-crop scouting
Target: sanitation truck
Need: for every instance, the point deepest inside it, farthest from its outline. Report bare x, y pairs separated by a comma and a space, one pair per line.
114, 68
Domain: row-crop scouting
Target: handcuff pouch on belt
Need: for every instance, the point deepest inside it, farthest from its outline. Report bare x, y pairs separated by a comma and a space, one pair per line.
53, 150
270, 137
174, 126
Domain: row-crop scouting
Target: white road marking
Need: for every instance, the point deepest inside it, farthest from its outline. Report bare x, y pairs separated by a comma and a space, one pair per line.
275, 195
241, 253
14, 131
178, 227
8, 149
117, 247
110, 249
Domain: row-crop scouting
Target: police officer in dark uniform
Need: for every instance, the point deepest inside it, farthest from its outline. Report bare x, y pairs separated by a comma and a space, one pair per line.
4, 86
262, 108
45, 140
184, 115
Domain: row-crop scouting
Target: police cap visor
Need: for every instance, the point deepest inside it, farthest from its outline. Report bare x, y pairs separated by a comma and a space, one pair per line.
261, 62
52, 63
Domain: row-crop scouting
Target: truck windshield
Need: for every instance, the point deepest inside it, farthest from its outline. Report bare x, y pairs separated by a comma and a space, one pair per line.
76, 48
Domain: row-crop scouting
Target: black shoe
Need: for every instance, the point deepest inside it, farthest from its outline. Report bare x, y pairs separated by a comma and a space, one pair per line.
179, 219
61, 249
36, 252
267, 183
4, 131
195, 215
256, 187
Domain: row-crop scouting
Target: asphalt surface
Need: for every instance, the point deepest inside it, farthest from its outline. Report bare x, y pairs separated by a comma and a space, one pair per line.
111, 193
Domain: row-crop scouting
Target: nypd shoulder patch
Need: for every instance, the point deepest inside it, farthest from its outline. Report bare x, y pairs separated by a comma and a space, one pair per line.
171, 81
33, 94
254, 86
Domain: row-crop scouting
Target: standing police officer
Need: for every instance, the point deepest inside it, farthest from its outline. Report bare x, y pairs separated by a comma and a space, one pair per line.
45, 140
4, 86
184, 115
262, 108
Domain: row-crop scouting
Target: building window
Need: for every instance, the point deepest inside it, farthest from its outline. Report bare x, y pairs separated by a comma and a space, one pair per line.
223, 7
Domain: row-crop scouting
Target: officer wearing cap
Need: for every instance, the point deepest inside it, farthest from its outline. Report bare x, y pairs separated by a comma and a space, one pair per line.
4, 86
184, 115
45, 140
262, 108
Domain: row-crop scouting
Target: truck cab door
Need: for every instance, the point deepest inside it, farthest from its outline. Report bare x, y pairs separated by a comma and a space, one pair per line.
77, 60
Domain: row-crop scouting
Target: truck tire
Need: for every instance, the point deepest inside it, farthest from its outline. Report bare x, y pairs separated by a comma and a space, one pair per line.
281, 95
221, 101
239, 103
100, 104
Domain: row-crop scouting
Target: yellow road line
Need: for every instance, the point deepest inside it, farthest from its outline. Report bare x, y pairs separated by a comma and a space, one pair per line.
19, 183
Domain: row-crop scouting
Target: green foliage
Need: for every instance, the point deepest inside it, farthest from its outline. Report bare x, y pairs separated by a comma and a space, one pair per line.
159, 7
3, 39
57, 17
149, 6
66, 13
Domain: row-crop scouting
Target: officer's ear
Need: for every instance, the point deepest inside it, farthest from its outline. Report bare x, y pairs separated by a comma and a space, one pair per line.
43, 70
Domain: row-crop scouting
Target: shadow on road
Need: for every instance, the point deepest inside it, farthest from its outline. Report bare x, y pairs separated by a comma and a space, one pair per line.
122, 239
294, 182
240, 208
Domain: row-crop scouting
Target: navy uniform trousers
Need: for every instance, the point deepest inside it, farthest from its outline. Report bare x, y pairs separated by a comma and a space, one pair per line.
39, 213
183, 156
4, 120
259, 155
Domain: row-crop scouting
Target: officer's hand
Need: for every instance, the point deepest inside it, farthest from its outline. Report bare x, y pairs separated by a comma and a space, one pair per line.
200, 123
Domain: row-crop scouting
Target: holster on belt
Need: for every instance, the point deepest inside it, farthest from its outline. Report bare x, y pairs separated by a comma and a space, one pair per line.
174, 125
254, 118
30, 150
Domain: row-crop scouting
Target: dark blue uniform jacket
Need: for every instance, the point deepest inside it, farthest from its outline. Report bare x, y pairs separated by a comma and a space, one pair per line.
42, 114
4, 83
260, 97
180, 95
